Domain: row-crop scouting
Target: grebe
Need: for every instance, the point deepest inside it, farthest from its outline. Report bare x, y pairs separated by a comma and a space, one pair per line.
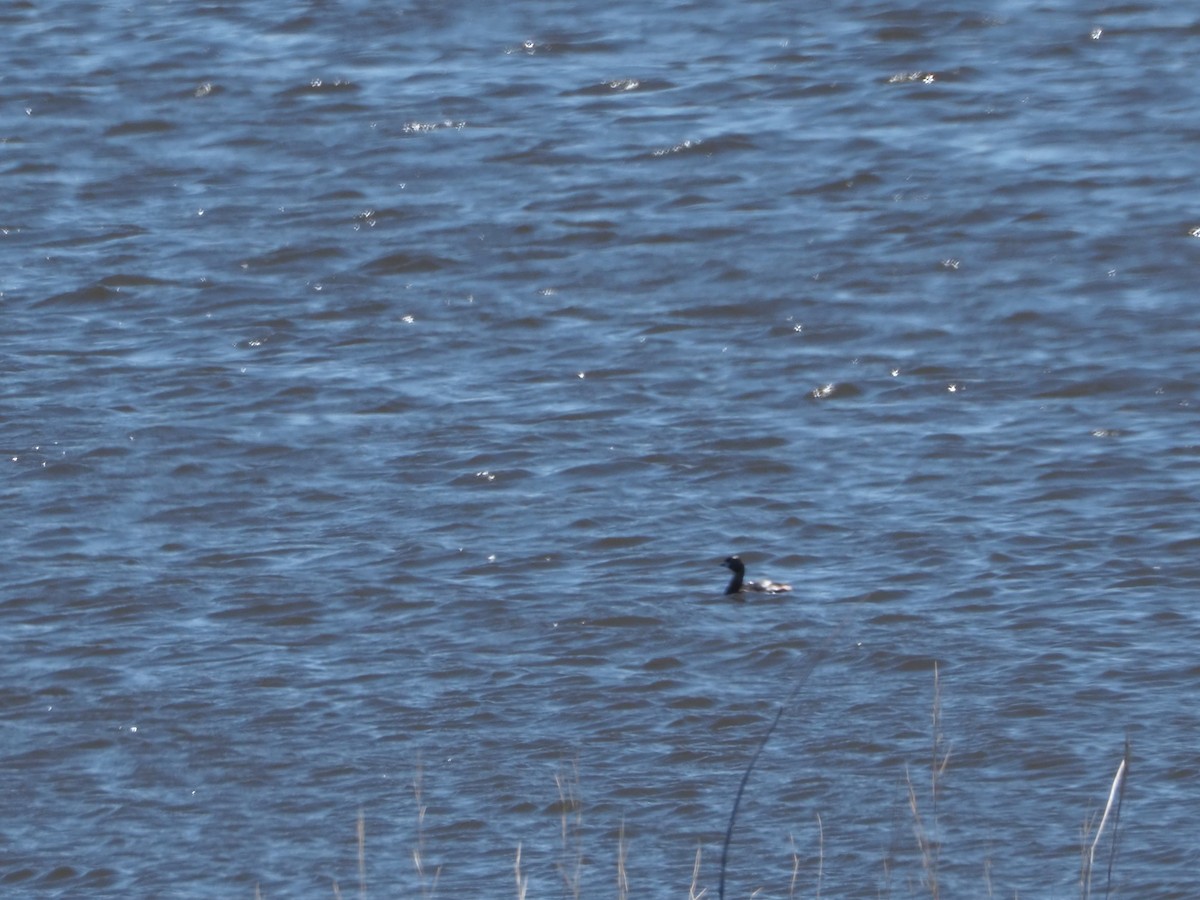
737, 585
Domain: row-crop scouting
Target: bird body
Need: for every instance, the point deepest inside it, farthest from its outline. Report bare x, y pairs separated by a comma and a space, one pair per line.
738, 584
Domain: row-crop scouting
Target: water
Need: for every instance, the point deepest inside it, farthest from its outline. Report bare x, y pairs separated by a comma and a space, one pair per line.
383, 387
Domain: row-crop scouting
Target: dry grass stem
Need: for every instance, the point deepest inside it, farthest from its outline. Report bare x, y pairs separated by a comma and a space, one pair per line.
795, 867
427, 891
820, 854
927, 837
522, 883
692, 895
1112, 809
924, 820
924, 842
570, 867
362, 855
622, 877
